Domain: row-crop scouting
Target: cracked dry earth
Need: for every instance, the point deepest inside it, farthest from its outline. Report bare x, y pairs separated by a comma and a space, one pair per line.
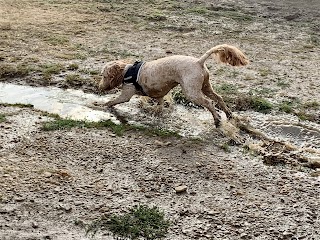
52, 180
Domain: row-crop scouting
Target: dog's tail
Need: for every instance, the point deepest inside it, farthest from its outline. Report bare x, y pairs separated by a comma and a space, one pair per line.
227, 54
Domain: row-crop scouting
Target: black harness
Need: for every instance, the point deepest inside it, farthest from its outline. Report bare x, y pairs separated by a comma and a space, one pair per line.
131, 75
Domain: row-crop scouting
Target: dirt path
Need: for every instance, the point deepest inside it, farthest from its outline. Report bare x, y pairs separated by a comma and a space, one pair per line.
52, 182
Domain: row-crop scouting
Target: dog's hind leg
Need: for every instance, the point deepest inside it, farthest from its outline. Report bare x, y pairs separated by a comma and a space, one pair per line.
210, 93
196, 96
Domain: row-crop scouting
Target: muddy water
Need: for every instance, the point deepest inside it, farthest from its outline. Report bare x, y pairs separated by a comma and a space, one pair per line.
288, 128
75, 104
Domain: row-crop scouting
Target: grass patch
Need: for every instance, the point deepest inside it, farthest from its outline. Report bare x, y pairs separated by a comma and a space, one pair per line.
264, 72
267, 92
156, 16
311, 105
260, 104
73, 66
13, 71
225, 147
49, 69
286, 107
243, 101
199, 10
119, 129
283, 84
2, 118
57, 40
140, 222
226, 88
307, 116
74, 79
20, 105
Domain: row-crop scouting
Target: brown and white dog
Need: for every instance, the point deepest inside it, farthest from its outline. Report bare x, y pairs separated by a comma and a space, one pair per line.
156, 78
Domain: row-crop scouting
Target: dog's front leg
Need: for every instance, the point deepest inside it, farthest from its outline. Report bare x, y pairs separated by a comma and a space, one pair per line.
128, 90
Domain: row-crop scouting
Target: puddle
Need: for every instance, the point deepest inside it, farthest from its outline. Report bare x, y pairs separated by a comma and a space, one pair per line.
73, 104
288, 128
67, 103
188, 122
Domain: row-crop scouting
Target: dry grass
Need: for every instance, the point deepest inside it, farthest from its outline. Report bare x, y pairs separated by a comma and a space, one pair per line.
80, 35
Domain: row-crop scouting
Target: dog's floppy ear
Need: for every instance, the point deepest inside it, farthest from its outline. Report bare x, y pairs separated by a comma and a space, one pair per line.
112, 75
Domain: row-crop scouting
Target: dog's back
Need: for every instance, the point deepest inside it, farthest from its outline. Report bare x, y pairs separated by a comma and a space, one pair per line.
159, 76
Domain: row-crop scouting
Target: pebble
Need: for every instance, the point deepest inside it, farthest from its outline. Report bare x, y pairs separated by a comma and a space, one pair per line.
47, 174
181, 189
34, 224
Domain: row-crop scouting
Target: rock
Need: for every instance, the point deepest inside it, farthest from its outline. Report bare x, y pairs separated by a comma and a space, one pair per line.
181, 189
47, 174
34, 224
159, 143
66, 208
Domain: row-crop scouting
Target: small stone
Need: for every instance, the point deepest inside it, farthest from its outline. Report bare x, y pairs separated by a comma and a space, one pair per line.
66, 208
159, 143
34, 224
243, 235
64, 173
47, 174
181, 189
19, 199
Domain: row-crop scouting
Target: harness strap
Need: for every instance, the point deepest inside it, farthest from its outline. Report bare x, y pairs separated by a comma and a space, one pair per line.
132, 75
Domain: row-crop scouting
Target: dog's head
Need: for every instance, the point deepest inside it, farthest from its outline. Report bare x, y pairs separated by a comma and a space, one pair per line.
112, 75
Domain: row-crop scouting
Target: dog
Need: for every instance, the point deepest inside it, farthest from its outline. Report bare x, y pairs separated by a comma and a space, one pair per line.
156, 78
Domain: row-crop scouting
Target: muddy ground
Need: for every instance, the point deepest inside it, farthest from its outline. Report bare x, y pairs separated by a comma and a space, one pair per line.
52, 181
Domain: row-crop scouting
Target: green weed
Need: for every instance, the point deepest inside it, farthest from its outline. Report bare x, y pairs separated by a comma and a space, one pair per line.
50, 69
20, 105
157, 16
119, 129
140, 222
199, 10
264, 72
13, 71
268, 92
311, 105
286, 107
2, 118
283, 84
226, 88
225, 147
74, 79
73, 66
57, 40
260, 104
